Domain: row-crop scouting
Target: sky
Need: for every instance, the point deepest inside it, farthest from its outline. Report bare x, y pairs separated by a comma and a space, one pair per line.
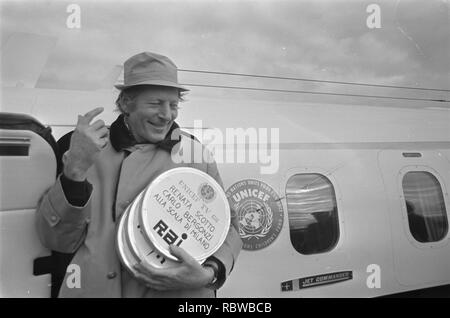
314, 39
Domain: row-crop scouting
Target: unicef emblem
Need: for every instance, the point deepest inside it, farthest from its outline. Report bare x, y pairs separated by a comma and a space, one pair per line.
259, 211
207, 192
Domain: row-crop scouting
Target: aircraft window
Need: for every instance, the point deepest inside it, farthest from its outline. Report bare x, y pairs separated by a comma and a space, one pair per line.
425, 206
312, 211
13, 150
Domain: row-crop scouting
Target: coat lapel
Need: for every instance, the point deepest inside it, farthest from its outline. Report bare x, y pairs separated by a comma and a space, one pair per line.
140, 168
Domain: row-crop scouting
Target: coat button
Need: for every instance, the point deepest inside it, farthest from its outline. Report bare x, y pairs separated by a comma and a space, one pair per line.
53, 218
88, 220
111, 275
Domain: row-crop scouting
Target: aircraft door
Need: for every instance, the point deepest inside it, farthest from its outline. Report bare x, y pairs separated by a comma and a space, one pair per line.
416, 184
28, 169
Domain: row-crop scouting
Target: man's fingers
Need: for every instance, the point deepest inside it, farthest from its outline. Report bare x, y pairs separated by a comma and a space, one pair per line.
91, 114
104, 142
147, 281
102, 132
98, 124
181, 254
150, 277
145, 269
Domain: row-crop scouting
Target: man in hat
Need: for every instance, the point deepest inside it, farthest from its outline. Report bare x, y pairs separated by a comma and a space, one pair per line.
104, 170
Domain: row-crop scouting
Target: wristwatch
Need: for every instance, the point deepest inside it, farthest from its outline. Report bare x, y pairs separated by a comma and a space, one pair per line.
215, 267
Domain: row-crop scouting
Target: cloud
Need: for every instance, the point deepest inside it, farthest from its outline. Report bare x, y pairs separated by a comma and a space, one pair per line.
307, 39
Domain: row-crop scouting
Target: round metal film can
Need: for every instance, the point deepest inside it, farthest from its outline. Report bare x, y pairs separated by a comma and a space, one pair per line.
188, 208
142, 250
125, 256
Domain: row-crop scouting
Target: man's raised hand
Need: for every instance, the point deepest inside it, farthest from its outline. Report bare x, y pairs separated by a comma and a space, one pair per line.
85, 144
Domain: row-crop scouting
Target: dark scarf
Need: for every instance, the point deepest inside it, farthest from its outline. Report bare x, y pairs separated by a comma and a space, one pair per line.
121, 138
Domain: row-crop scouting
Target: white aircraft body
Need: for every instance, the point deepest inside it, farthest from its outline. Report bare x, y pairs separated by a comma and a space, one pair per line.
355, 203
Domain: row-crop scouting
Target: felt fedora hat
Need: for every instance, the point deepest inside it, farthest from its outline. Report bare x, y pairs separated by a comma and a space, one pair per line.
150, 69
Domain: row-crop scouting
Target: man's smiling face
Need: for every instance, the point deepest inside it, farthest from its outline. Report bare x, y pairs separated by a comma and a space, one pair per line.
152, 113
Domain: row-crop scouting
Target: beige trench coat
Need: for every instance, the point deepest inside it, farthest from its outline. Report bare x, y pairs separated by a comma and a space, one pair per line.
90, 230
